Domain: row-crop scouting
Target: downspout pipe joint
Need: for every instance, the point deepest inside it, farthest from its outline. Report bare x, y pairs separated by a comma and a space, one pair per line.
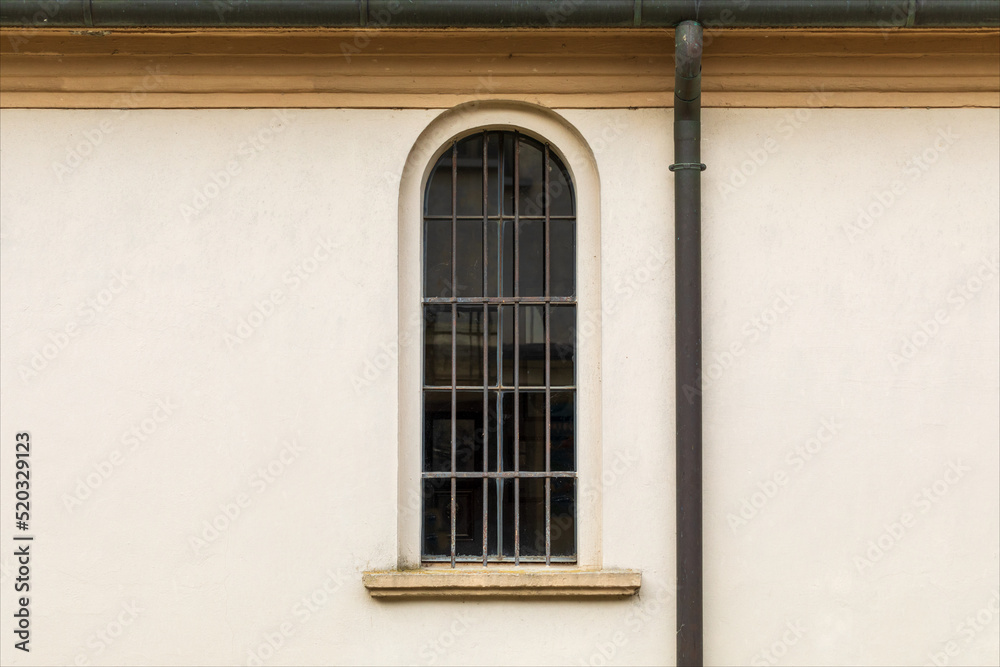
687, 58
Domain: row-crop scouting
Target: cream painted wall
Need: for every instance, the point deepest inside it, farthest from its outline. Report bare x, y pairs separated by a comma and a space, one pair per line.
302, 231
813, 413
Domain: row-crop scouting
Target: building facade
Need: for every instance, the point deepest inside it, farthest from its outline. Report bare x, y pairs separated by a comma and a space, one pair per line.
214, 320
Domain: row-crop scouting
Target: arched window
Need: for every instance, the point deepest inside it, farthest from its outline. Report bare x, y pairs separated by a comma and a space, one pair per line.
499, 461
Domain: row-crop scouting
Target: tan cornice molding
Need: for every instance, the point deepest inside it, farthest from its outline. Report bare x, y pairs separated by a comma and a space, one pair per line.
60, 68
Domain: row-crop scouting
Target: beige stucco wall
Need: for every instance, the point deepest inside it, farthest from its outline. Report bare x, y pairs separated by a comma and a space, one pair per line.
826, 411
131, 277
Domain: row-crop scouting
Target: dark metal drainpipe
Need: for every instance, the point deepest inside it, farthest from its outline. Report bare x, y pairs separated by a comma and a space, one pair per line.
687, 170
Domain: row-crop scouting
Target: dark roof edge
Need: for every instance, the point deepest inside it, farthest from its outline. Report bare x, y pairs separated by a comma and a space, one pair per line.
873, 14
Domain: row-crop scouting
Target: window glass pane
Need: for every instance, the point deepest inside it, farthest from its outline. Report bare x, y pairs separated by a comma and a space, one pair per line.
469, 258
469, 431
437, 517
493, 413
532, 516
532, 178
531, 239
437, 258
563, 456
562, 236
531, 417
470, 176
532, 431
468, 517
437, 431
493, 194
507, 515
532, 346
560, 188
493, 327
507, 258
562, 320
468, 347
507, 431
507, 344
437, 345
563, 516
438, 196
494, 264
493, 517
507, 169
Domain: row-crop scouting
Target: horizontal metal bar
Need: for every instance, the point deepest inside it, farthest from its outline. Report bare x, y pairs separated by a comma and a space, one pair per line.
500, 300
478, 218
380, 14
497, 559
503, 387
496, 475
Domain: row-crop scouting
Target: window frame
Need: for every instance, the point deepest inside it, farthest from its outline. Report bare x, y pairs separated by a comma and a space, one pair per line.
567, 144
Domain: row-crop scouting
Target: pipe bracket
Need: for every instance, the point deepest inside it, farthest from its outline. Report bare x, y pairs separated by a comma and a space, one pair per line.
700, 166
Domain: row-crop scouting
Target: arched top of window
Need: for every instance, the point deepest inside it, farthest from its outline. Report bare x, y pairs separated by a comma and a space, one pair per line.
494, 177
490, 160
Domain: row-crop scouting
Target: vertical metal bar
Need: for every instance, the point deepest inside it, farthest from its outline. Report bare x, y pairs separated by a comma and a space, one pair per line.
548, 370
687, 284
498, 406
517, 351
486, 363
454, 340
501, 425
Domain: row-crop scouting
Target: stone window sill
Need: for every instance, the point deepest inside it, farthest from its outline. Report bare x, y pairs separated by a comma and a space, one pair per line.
492, 582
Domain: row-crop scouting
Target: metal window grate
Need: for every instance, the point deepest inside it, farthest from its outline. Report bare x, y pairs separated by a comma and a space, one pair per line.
499, 474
